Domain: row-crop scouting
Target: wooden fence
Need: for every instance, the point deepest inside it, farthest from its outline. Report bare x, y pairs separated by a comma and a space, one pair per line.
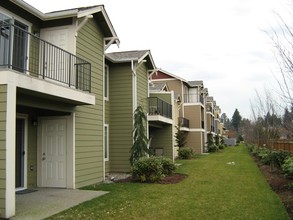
284, 145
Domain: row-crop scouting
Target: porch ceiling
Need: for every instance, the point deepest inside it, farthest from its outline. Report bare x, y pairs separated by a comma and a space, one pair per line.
25, 96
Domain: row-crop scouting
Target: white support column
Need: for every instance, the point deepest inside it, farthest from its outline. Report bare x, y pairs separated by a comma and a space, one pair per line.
10, 151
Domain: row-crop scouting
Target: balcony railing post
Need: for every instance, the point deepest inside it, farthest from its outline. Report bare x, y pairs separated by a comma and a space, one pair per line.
69, 71
44, 59
10, 54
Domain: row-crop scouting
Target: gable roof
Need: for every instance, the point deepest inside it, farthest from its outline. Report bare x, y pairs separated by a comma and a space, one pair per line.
158, 87
81, 12
135, 55
196, 83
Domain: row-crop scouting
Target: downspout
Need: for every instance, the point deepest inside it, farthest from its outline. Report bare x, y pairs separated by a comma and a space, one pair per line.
134, 103
134, 90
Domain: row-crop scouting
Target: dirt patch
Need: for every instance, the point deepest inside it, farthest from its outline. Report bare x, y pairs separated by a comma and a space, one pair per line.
279, 183
175, 178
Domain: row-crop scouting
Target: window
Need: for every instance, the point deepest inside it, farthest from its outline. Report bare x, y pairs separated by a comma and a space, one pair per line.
13, 43
106, 142
106, 83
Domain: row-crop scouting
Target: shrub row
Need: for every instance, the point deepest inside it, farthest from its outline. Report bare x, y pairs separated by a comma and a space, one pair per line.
280, 159
152, 169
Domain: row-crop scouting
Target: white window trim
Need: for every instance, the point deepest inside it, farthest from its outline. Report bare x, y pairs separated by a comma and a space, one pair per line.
25, 117
106, 140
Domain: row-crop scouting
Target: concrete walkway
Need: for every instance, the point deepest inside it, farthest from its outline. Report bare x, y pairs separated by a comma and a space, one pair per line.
46, 202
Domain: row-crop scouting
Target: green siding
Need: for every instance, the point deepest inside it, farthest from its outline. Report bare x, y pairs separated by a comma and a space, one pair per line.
107, 121
3, 97
142, 86
162, 138
164, 96
121, 117
89, 119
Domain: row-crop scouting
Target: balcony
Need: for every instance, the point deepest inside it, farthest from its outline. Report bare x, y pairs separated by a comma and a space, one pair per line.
26, 53
193, 98
159, 107
160, 112
183, 122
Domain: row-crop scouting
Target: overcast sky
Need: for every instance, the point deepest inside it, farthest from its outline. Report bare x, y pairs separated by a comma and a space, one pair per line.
222, 42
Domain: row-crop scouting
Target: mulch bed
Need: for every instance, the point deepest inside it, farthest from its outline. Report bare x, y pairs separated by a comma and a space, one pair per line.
281, 185
175, 178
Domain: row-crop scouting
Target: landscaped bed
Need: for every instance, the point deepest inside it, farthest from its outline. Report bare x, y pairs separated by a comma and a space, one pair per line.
280, 184
223, 185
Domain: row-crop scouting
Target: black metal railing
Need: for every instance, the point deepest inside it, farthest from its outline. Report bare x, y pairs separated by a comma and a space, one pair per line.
27, 53
183, 122
193, 98
158, 106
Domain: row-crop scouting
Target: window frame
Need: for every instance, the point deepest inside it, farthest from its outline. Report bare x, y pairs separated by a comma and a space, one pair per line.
106, 142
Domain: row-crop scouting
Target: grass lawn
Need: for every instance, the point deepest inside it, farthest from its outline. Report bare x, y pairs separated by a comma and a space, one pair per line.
212, 190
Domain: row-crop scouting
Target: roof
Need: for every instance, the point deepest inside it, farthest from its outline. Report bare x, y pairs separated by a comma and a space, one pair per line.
196, 83
128, 56
98, 10
158, 87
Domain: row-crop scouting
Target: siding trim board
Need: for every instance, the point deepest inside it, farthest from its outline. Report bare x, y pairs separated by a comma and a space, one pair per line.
10, 151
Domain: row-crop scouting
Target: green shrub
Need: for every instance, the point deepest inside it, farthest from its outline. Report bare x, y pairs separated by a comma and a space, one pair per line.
221, 146
278, 157
253, 149
185, 153
152, 169
287, 167
213, 148
168, 166
264, 155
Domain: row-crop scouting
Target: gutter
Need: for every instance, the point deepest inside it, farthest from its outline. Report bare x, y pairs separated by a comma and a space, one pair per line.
43, 16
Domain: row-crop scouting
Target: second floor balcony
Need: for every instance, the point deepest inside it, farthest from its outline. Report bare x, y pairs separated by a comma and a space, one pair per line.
183, 122
158, 106
28, 54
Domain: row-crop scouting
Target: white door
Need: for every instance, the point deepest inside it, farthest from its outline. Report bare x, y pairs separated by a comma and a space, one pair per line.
54, 153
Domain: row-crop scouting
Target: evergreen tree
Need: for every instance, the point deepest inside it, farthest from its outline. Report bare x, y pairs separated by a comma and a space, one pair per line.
140, 142
236, 120
180, 137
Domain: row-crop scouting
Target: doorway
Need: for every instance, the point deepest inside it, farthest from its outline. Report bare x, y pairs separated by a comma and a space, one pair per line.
20, 153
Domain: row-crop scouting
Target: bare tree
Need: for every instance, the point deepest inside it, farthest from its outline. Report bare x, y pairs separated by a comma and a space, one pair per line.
282, 38
267, 122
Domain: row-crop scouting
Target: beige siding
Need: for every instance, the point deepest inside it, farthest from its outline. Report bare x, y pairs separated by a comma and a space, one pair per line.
121, 117
194, 141
89, 119
175, 85
193, 114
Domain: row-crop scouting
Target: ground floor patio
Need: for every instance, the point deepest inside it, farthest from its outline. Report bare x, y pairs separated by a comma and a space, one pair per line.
41, 203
